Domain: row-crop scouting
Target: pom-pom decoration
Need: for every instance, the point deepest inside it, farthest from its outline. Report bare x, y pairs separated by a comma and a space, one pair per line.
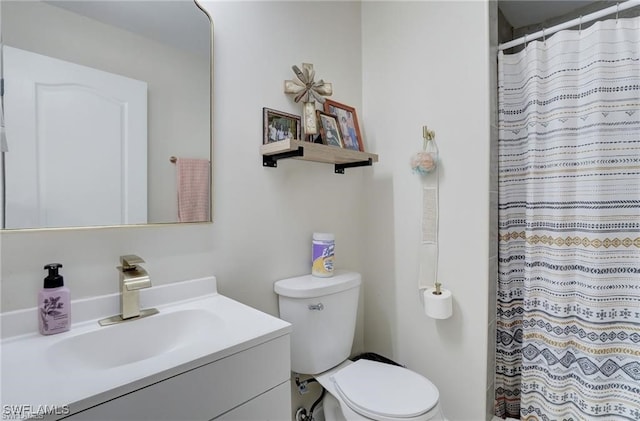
422, 163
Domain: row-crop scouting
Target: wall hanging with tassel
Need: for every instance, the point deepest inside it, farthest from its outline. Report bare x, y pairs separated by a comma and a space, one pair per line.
437, 301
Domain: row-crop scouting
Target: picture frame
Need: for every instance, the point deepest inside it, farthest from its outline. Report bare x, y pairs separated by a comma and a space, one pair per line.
329, 129
348, 122
278, 126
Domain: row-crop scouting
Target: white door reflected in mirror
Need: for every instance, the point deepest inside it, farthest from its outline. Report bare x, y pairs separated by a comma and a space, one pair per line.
62, 112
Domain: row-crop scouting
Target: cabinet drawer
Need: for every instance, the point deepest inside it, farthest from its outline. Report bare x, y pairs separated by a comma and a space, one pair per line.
202, 393
274, 405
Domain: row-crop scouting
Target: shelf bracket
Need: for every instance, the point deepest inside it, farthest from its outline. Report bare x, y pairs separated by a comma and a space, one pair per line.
272, 160
340, 167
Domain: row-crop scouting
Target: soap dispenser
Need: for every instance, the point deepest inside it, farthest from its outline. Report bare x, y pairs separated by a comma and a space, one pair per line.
54, 305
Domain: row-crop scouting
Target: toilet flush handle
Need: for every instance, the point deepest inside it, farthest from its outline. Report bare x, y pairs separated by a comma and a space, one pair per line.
318, 306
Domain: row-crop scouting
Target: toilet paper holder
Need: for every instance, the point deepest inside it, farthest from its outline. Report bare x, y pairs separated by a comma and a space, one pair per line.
438, 290
437, 302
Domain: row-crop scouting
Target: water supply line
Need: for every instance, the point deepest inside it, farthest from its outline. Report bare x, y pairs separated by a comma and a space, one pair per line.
302, 414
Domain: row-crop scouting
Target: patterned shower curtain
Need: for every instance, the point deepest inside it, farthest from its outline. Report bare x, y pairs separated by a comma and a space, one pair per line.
568, 321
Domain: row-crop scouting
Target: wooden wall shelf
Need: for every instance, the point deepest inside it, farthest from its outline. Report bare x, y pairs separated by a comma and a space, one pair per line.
316, 152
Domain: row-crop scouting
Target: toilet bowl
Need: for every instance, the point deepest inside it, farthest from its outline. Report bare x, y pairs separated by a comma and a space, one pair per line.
370, 390
323, 314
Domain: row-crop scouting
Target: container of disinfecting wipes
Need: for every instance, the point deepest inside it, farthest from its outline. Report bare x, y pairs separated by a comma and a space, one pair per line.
322, 254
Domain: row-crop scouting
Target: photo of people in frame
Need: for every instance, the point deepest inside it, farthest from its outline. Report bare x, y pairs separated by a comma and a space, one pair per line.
280, 126
348, 122
329, 129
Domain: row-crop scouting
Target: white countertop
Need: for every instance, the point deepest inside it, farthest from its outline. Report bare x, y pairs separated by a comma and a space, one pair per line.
32, 378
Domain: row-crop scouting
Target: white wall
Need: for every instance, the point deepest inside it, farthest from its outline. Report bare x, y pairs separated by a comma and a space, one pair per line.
402, 65
177, 82
263, 217
427, 63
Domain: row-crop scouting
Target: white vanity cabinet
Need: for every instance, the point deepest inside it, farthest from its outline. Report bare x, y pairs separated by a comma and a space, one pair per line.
252, 384
203, 356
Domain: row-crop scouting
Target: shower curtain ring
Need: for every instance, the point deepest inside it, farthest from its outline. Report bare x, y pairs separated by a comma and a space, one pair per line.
544, 37
617, 11
525, 41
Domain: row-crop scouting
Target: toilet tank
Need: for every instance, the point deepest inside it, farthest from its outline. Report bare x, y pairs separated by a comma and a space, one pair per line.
323, 314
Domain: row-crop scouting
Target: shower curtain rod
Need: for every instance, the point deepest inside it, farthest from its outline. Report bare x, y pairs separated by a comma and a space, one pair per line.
574, 22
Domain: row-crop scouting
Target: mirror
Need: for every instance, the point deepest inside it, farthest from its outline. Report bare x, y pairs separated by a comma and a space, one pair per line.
100, 98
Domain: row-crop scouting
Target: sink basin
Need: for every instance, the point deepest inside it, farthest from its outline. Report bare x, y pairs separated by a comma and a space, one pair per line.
91, 364
136, 340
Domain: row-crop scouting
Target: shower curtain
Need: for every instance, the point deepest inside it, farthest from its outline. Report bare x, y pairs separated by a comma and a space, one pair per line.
568, 319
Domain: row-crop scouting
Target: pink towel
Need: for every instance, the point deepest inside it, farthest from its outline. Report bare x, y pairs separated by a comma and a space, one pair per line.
193, 190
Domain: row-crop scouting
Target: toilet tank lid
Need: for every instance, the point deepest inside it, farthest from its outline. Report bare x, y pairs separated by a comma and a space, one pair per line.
308, 286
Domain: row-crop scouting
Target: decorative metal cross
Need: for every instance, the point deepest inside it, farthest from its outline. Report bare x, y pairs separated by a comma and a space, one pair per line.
308, 91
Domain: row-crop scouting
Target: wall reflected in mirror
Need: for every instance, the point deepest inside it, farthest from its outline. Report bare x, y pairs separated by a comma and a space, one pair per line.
99, 95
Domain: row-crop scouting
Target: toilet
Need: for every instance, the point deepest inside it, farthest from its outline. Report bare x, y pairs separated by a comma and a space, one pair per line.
323, 314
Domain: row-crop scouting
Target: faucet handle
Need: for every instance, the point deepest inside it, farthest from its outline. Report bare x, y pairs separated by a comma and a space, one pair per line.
130, 261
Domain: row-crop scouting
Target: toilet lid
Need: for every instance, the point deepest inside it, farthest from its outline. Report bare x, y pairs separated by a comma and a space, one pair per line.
376, 389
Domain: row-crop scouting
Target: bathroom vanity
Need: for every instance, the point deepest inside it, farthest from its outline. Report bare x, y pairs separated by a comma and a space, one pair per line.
247, 385
202, 357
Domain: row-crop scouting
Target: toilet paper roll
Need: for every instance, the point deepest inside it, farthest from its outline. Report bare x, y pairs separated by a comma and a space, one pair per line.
438, 306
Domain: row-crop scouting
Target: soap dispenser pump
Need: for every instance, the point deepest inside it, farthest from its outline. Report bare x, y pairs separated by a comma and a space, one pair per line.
54, 305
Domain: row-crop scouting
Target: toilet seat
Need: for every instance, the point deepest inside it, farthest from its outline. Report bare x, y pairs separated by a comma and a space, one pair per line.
384, 392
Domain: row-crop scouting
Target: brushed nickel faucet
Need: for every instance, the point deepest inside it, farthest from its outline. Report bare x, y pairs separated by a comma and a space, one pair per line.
132, 279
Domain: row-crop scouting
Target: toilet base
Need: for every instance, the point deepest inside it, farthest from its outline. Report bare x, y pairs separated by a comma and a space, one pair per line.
331, 409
